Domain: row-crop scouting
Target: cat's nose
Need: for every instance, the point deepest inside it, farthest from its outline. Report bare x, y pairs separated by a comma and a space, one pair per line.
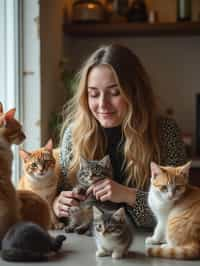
23, 136
170, 196
41, 170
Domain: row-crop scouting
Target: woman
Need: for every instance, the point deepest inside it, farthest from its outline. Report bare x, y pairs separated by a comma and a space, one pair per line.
114, 112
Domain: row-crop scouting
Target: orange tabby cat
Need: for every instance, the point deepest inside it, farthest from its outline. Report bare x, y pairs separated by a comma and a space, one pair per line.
10, 133
40, 177
176, 205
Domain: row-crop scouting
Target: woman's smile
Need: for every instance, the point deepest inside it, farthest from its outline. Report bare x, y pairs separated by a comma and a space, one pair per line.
104, 98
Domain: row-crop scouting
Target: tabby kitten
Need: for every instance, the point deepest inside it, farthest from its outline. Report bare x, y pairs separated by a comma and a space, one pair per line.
113, 233
39, 176
90, 171
10, 133
176, 205
16, 244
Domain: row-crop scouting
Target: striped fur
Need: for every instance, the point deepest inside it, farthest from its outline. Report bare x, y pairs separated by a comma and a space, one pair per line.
180, 222
184, 252
113, 233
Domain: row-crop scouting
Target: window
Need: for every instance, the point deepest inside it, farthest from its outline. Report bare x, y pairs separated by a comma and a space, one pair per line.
9, 62
20, 69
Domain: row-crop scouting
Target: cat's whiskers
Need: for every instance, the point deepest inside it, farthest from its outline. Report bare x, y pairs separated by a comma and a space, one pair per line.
46, 178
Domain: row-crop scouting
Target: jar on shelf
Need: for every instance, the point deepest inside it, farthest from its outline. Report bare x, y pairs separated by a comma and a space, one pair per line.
88, 11
184, 10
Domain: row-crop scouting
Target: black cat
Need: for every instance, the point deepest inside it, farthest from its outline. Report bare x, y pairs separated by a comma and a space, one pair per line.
26, 242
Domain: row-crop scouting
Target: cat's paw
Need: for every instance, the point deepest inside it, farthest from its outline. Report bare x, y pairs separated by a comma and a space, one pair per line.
165, 245
101, 253
151, 241
81, 230
69, 229
117, 255
58, 226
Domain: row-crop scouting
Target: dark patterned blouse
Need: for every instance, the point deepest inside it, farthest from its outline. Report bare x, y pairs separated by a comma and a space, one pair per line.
172, 153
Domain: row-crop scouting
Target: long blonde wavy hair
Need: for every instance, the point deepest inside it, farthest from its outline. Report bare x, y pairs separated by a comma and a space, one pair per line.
139, 127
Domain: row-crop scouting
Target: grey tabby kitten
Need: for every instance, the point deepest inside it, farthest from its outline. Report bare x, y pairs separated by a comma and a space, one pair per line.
90, 171
113, 233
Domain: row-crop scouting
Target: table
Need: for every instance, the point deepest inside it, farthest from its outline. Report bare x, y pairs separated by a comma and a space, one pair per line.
80, 250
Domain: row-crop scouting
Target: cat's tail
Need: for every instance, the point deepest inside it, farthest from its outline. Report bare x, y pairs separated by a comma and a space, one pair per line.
188, 252
17, 255
57, 242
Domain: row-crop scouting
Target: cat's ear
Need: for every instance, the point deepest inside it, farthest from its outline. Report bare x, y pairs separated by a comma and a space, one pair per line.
24, 155
83, 162
97, 213
119, 215
10, 114
185, 169
49, 145
1, 107
155, 169
105, 162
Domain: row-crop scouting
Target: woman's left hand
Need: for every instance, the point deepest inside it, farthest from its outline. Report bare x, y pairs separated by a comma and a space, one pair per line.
108, 189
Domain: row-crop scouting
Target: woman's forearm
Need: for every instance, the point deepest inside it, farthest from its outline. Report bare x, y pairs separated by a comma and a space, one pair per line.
129, 196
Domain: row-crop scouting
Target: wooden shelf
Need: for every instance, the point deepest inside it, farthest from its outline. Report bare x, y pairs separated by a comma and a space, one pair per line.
133, 29
196, 162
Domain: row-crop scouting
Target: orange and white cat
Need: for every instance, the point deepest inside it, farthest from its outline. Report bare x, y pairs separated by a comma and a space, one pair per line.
39, 175
10, 133
176, 205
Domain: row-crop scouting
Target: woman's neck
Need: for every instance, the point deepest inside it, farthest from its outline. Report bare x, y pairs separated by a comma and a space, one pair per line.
113, 134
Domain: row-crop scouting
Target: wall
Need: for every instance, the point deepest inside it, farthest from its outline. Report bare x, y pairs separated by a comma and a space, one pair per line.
51, 18
172, 62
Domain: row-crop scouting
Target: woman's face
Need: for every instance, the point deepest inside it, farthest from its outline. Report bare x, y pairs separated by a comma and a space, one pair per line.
105, 101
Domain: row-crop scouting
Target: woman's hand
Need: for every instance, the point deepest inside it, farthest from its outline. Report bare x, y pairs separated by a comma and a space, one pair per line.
64, 201
108, 189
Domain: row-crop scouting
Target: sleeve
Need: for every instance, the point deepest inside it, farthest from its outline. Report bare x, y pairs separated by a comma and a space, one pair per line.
172, 147
65, 157
141, 214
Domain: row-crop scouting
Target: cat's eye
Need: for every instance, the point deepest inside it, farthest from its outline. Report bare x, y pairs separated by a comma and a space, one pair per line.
164, 188
34, 165
98, 227
179, 187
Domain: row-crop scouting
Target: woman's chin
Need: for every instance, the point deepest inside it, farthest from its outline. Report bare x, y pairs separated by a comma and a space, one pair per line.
108, 124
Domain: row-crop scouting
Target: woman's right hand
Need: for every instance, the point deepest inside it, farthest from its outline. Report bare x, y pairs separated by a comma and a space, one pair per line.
64, 201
